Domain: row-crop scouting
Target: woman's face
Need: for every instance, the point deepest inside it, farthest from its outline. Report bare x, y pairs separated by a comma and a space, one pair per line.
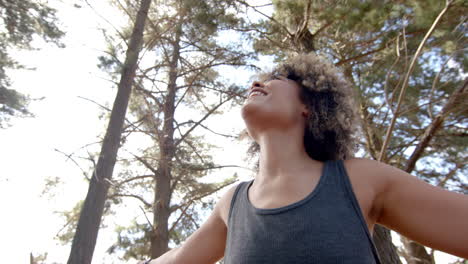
273, 103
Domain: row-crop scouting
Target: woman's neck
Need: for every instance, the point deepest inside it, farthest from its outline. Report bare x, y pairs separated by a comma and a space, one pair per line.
282, 155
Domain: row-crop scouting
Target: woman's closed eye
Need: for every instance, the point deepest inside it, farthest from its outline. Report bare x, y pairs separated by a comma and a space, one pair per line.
275, 77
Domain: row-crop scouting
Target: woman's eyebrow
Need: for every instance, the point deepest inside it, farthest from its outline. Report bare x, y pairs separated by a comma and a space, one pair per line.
274, 76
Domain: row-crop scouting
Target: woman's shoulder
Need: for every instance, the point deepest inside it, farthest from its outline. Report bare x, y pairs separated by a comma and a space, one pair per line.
367, 167
224, 202
368, 172
369, 184
366, 162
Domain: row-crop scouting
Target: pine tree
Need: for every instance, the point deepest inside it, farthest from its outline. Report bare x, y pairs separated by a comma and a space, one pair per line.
21, 21
179, 90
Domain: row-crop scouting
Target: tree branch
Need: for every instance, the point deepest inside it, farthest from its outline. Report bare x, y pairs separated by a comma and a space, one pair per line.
270, 18
134, 178
450, 174
147, 165
435, 125
202, 119
360, 56
405, 82
147, 204
205, 127
69, 156
201, 196
180, 217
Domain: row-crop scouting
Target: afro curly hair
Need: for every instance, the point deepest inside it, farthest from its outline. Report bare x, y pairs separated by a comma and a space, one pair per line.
332, 122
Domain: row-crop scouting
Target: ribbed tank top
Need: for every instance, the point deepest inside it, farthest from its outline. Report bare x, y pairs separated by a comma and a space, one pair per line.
327, 226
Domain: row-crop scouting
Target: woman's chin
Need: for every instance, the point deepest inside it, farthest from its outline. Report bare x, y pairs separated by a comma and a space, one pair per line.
249, 109
255, 117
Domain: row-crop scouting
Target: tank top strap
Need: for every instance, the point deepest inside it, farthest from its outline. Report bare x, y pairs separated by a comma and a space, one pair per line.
342, 176
329, 175
237, 197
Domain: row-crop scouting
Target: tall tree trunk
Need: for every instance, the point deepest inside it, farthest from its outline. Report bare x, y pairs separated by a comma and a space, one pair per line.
162, 198
87, 229
416, 253
383, 241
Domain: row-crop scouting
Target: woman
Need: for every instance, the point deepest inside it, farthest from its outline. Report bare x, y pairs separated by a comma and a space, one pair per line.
311, 201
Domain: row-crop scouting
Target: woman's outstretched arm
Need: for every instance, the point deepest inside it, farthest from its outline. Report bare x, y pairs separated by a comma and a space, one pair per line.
424, 213
206, 245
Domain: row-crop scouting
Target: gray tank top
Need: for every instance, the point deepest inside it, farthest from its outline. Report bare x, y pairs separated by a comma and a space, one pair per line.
327, 226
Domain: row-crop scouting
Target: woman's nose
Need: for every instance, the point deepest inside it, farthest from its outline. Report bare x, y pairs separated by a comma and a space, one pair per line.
256, 84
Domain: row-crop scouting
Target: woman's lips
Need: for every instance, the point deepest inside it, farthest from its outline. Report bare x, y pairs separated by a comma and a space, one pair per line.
257, 91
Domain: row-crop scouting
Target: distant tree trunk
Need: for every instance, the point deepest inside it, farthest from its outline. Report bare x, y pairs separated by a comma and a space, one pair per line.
87, 229
160, 236
416, 253
383, 242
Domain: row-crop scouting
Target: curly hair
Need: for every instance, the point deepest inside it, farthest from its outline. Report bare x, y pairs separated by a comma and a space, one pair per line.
330, 132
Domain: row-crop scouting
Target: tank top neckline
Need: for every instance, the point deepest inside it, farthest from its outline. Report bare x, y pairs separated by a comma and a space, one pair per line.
293, 205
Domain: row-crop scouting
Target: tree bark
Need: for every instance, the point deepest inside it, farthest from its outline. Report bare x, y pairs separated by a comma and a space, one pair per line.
162, 198
385, 248
84, 241
416, 253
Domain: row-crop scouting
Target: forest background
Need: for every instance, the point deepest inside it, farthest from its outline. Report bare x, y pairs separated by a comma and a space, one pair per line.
60, 71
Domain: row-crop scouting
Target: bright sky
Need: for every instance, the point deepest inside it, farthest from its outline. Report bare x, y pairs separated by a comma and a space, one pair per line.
65, 122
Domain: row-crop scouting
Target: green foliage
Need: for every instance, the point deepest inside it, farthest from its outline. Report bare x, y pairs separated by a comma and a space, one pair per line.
24, 19
20, 22
66, 233
133, 240
12, 103
39, 259
50, 184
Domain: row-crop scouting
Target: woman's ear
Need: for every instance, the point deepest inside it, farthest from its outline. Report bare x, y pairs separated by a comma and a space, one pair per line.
305, 111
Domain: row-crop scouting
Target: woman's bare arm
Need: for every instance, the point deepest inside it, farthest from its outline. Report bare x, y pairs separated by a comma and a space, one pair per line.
206, 245
424, 213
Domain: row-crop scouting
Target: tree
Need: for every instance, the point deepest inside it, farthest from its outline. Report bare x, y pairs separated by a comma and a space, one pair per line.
90, 217
373, 43
21, 21
176, 92
176, 89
